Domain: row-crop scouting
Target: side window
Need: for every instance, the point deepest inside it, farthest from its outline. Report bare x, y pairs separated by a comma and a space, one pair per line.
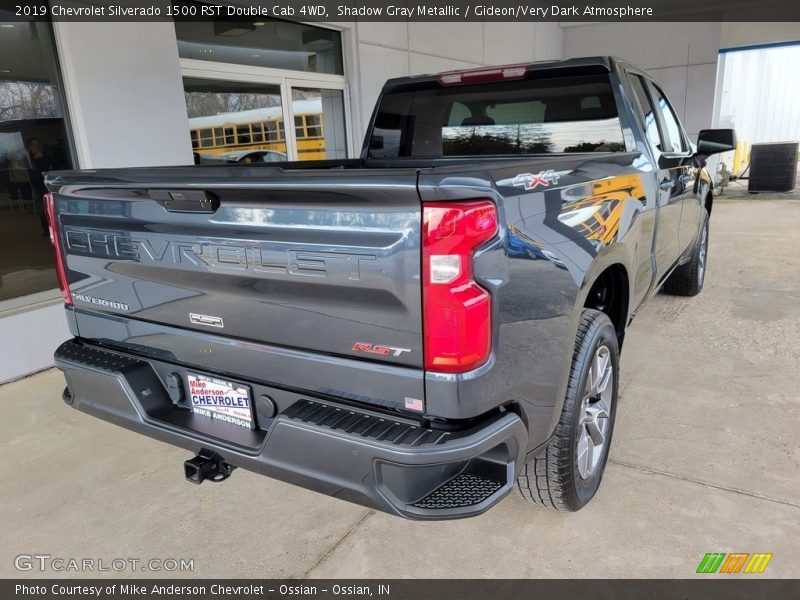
650, 122
673, 129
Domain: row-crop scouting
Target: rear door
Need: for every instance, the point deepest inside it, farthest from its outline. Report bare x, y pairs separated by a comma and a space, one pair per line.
668, 175
322, 260
680, 156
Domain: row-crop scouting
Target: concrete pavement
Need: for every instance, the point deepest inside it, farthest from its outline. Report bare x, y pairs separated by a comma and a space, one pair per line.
705, 458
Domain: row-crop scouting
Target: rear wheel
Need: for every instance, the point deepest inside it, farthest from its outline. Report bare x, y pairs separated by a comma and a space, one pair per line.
567, 473
688, 279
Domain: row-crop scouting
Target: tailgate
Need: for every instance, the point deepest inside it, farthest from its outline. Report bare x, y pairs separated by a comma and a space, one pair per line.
320, 260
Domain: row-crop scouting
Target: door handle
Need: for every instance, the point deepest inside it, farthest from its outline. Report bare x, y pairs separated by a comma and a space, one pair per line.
186, 201
667, 185
685, 179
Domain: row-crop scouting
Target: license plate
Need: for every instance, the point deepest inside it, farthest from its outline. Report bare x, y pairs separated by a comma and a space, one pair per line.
221, 399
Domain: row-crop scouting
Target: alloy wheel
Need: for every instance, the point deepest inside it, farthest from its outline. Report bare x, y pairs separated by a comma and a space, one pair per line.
595, 412
701, 258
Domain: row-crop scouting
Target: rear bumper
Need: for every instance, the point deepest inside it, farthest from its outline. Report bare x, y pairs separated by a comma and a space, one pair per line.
364, 457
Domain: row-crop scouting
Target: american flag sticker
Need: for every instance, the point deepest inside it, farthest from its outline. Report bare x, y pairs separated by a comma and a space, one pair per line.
414, 404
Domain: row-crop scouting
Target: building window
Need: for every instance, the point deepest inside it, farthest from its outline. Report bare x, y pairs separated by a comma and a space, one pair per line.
33, 140
270, 43
231, 111
285, 73
319, 123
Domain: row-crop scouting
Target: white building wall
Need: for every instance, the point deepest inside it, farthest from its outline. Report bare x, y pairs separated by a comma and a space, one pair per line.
757, 91
759, 95
735, 35
124, 92
29, 339
681, 56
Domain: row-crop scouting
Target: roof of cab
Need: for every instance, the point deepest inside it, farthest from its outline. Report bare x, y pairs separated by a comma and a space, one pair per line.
604, 62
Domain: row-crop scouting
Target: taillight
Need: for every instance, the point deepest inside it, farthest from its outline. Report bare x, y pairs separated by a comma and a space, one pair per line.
483, 75
55, 239
456, 310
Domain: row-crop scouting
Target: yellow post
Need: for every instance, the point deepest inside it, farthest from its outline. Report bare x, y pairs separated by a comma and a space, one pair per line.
738, 157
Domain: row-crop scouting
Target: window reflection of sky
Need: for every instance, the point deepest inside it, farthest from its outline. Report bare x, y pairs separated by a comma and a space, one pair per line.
558, 135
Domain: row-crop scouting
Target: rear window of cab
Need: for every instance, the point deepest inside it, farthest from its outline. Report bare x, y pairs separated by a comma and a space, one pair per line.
532, 116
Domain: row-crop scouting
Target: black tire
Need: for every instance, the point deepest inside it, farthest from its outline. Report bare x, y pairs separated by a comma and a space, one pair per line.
552, 478
688, 279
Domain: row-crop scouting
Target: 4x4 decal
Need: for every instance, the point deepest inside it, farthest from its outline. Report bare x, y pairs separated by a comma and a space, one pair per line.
530, 181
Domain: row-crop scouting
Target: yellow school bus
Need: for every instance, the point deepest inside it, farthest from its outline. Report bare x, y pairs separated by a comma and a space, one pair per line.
597, 215
260, 129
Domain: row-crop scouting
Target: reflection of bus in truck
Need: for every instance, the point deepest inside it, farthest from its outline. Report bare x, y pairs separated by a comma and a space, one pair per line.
260, 129
597, 211
596, 218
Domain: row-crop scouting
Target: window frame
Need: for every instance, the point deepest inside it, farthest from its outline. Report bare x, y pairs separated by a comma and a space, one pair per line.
642, 114
286, 80
654, 88
300, 128
244, 135
650, 86
342, 31
315, 126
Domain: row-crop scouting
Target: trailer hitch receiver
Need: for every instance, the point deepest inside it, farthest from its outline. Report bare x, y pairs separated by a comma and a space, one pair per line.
207, 465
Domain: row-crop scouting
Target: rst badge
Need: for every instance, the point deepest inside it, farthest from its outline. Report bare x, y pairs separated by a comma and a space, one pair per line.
529, 181
379, 349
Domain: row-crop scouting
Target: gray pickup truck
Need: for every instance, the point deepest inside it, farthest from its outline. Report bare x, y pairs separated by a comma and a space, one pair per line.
419, 330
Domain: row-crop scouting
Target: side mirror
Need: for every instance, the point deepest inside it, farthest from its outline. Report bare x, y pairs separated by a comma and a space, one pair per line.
714, 141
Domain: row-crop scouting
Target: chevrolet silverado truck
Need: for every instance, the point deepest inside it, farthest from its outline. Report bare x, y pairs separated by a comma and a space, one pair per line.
419, 330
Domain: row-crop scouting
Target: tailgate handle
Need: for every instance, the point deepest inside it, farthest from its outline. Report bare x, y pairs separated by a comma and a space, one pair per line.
186, 201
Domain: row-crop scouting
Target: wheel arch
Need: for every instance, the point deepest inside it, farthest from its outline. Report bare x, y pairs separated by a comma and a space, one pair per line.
708, 201
609, 292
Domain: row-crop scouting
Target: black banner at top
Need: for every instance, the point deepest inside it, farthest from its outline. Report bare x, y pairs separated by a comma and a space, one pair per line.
402, 10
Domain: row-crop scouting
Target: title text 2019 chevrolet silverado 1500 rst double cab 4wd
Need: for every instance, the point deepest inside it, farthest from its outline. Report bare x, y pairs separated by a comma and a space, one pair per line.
419, 330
